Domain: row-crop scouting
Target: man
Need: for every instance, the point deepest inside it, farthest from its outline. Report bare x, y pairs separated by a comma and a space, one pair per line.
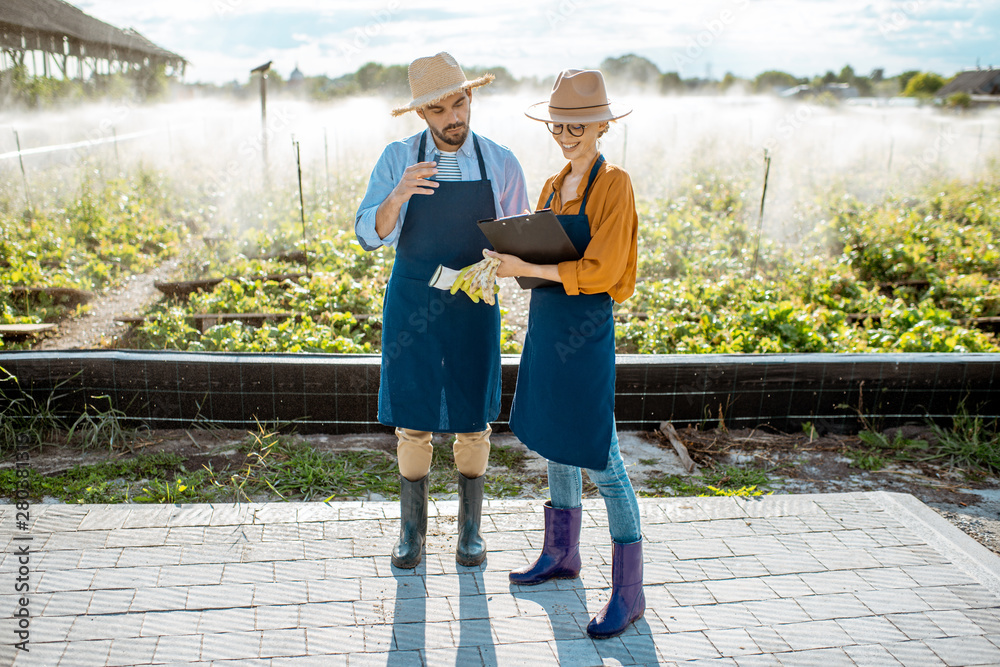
440, 352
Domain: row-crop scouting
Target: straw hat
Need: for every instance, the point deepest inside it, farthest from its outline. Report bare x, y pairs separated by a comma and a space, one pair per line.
435, 78
578, 96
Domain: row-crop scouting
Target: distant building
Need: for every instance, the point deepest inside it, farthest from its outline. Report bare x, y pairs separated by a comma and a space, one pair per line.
982, 85
842, 91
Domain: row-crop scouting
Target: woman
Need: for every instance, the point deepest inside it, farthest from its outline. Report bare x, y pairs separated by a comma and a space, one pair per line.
564, 402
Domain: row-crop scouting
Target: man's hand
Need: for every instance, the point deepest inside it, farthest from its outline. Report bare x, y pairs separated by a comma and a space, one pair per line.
414, 182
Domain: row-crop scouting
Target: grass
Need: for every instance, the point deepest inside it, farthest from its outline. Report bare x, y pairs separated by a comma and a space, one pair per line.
726, 481
134, 479
971, 444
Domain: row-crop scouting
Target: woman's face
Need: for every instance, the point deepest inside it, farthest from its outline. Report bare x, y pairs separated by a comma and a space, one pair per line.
574, 147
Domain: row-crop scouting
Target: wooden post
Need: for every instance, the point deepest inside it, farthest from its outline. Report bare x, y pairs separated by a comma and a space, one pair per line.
760, 218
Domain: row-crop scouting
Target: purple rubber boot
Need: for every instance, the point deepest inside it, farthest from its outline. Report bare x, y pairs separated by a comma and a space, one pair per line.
627, 603
560, 557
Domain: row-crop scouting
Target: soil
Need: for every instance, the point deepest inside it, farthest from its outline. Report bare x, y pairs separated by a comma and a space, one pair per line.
97, 327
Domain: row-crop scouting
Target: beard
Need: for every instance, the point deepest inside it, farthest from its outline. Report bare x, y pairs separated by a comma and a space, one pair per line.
457, 140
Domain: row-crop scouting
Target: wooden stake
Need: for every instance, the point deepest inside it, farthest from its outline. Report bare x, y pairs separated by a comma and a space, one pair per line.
760, 217
302, 205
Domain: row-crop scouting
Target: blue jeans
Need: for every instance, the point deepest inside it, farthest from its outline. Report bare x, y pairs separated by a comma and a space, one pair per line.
566, 489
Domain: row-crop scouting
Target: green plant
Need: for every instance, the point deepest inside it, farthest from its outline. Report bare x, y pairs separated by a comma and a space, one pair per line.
971, 442
866, 460
99, 428
162, 492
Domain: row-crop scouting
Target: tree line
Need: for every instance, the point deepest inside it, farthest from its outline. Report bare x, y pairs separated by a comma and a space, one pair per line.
17, 89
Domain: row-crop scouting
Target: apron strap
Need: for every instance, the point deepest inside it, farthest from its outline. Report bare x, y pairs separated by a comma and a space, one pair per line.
590, 181
586, 193
479, 155
475, 142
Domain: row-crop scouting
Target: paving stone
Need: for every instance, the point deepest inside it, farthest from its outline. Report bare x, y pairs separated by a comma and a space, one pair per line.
872, 655
38, 653
117, 626
229, 644
220, 597
845, 581
837, 605
965, 650
787, 585
732, 642
892, 601
223, 554
735, 590
762, 660
871, 630
773, 612
190, 575
685, 646
723, 616
179, 649
940, 597
167, 623
283, 643
831, 657
813, 635
132, 651
335, 640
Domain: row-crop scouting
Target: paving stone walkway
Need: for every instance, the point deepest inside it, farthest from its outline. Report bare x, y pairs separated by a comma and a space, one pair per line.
827, 580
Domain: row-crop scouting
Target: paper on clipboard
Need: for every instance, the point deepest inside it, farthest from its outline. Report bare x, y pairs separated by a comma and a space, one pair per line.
536, 237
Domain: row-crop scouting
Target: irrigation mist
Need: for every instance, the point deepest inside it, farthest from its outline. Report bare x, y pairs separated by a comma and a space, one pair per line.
667, 144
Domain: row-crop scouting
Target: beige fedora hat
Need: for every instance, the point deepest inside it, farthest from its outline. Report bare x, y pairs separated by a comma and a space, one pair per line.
578, 96
435, 78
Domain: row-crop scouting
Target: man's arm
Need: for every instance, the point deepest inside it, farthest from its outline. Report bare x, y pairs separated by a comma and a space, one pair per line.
389, 188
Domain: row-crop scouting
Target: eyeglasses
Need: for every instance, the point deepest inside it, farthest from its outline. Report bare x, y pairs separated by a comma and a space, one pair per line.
574, 130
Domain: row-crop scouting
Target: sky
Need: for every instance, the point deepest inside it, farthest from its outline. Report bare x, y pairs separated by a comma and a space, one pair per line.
224, 39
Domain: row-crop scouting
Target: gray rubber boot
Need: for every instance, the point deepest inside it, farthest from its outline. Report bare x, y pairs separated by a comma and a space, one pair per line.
471, 549
412, 523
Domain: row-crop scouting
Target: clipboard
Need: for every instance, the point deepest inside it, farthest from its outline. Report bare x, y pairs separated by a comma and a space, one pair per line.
536, 237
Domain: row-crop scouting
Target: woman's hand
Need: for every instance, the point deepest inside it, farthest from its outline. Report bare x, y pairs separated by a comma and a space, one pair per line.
510, 266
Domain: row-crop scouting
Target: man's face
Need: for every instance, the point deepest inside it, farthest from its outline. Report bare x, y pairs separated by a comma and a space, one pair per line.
449, 120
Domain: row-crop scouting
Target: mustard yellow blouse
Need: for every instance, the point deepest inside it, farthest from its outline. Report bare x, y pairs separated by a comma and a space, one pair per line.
609, 264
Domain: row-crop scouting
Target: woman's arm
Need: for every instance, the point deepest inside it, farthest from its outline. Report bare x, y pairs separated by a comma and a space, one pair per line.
515, 267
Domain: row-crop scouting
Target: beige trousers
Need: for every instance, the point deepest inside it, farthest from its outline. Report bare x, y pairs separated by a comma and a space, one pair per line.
472, 451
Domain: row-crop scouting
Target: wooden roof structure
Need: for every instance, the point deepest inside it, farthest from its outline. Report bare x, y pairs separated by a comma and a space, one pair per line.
977, 82
60, 30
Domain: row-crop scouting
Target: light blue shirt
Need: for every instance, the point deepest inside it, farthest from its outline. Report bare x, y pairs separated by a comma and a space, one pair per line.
506, 177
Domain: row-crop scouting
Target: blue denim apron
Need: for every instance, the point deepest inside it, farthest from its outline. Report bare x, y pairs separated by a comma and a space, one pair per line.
564, 403
440, 352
